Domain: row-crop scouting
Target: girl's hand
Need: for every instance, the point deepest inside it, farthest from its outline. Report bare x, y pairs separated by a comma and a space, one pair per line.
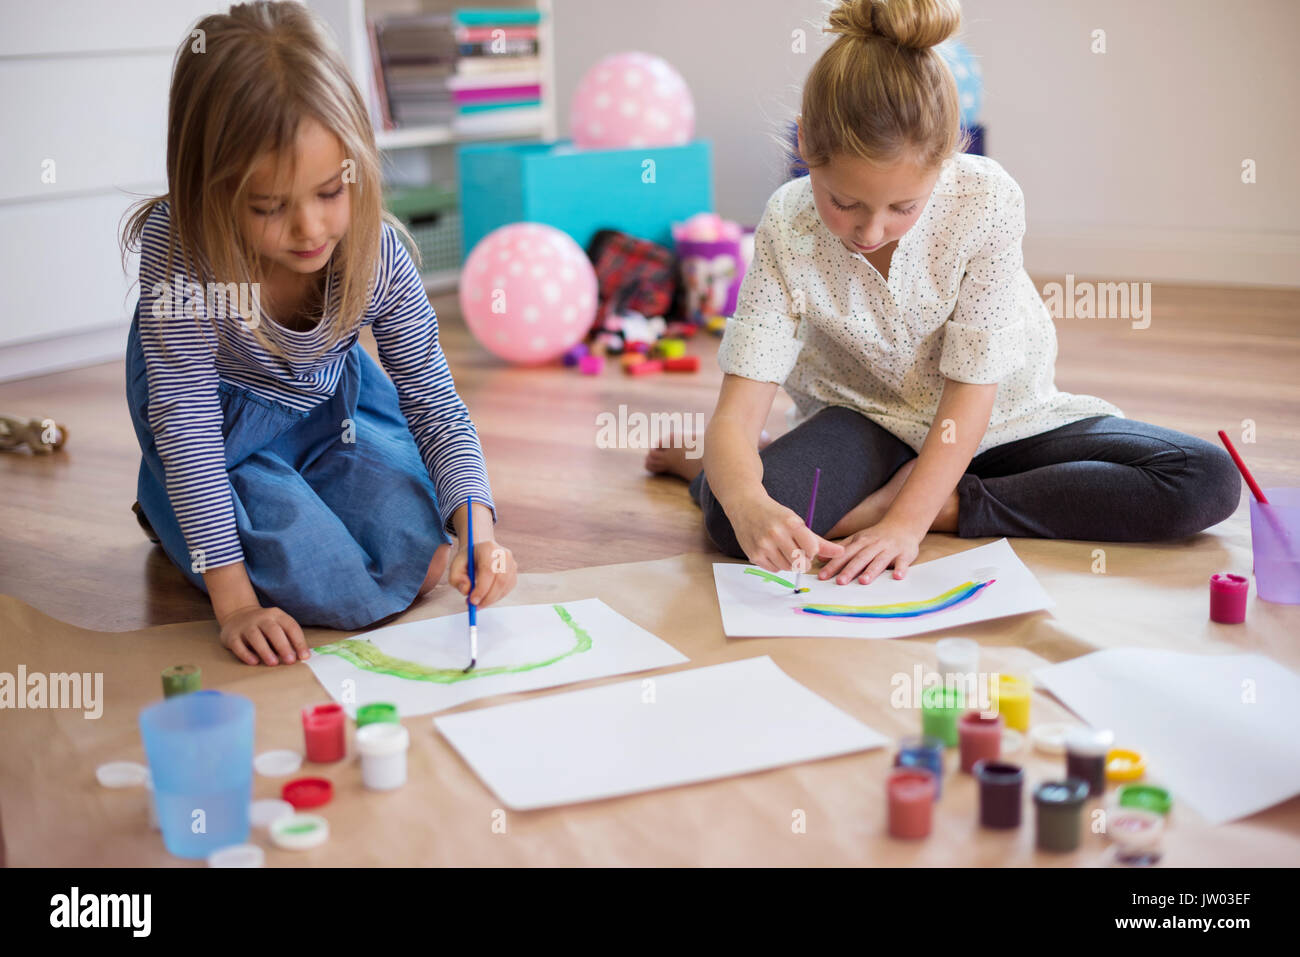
869, 552
776, 539
495, 572
254, 632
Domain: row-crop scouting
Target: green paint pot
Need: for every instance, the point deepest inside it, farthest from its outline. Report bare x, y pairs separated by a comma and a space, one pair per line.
376, 712
941, 707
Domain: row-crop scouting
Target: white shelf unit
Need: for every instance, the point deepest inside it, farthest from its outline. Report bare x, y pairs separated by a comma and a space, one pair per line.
424, 154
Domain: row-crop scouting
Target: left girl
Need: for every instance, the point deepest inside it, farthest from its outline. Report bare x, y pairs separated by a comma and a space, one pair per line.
282, 471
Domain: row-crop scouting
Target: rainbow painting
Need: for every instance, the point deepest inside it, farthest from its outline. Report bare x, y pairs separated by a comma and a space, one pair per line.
958, 595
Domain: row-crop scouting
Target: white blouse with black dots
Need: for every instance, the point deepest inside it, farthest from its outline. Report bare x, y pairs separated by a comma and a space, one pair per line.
821, 321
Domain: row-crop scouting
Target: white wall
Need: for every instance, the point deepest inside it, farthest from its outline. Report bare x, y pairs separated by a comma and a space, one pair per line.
1130, 160
83, 86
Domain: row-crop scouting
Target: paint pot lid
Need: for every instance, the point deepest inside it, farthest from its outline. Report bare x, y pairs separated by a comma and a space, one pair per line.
1049, 738
1071, 792
382, 738
266, 812
277, 764
376, 711
300, 832
122, 774
1123, 764
998, 772
308, 792
1091, 742
1012, 740
238, 855
1145, 796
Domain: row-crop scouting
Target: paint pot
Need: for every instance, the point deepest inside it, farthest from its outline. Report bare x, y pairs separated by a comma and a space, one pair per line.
1228, 595
1085, 756
1147, 797
377, 711
322, 725
181, 679
383, 747
1058, 807
1001, 787
1137, 835
1011, 700
957, 656
910, 793
921, 751
940, 709
980, 738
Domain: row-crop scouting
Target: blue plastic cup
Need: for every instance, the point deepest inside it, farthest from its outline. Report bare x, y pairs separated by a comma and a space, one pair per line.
200, 752
1275, 541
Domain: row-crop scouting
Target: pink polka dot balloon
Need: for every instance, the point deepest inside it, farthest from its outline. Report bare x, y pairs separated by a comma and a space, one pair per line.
629, 100
528, 293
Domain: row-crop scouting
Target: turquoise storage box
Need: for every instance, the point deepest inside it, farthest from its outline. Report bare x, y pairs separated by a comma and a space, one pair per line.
582, 191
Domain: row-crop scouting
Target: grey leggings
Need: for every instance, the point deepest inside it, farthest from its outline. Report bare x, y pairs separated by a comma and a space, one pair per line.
1102, 478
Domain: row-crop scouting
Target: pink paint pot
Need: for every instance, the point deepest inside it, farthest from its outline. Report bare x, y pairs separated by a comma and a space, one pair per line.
980, 739
910, 793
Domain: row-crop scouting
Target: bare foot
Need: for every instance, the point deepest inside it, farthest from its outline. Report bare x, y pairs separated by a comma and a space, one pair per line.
670, 458
873, 508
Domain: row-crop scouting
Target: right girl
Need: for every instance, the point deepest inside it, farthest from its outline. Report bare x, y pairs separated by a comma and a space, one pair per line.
888, 297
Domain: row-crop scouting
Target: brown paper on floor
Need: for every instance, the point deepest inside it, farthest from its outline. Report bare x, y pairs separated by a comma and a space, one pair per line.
54, 811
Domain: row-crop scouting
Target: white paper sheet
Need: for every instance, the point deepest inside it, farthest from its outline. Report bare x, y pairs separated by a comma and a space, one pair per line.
975, 585
519, 649
630, 736
1221, 732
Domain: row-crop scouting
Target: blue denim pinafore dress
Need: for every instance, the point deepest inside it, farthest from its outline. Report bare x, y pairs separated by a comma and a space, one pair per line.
338, 534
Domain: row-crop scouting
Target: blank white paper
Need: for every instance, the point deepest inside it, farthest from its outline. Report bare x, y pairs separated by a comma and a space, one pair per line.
1221, 732
669, 730
975, 585
417, 665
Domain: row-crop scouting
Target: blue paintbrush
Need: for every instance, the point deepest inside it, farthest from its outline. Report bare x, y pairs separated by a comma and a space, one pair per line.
473, 609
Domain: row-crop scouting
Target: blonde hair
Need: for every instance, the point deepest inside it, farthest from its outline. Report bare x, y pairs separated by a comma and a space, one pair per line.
880, 92
241, 84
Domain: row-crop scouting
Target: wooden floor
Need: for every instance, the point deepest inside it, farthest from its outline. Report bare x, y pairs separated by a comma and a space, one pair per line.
69, 545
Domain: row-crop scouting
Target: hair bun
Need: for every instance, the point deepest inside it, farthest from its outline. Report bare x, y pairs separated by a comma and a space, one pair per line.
915, 24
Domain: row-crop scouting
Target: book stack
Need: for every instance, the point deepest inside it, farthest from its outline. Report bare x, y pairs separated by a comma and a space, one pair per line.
497, 83
413, 57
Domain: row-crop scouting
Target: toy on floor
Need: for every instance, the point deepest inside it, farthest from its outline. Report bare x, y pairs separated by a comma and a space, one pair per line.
644, 345
42, 436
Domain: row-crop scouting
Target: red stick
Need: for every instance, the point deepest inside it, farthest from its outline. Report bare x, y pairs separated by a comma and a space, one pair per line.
1241, 467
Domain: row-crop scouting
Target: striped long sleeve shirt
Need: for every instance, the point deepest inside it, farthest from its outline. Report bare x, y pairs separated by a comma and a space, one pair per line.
185, 413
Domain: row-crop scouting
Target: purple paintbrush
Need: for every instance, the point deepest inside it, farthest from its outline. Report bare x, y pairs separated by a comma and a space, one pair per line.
812, 507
